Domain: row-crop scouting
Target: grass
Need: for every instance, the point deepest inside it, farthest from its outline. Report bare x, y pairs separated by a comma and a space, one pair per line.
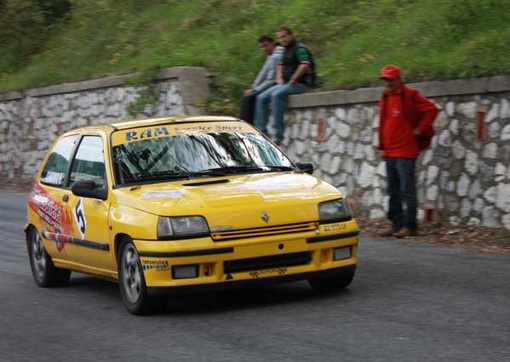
351, 40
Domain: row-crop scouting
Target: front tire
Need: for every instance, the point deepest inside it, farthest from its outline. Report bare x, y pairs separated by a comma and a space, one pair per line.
332, 284
132, 283
45, 273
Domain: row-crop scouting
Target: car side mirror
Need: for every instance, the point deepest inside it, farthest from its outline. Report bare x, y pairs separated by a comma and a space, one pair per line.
89, 188
305, 167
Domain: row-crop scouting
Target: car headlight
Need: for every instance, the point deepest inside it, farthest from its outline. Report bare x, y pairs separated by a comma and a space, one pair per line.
334, 211
182, 227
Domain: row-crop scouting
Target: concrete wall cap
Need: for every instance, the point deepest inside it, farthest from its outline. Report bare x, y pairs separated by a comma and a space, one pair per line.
432, 89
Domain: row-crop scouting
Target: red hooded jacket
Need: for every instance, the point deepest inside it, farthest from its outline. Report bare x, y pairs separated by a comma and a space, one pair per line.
401, 112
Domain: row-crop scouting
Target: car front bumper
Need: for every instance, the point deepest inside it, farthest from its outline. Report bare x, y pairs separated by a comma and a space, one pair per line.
268, 260
251, 283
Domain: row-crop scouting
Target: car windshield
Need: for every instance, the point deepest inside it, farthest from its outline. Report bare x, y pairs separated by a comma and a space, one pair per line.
196, 155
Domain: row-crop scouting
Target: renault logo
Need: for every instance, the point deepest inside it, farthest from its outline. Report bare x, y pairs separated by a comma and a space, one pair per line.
264, 216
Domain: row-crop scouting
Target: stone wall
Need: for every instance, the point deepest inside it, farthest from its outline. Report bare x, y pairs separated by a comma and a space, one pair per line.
462, 177
31, 120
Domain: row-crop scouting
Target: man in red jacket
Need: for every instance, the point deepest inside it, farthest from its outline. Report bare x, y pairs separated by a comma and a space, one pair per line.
405, 127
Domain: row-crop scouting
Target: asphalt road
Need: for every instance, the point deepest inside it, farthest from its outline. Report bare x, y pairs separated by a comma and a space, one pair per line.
409, 302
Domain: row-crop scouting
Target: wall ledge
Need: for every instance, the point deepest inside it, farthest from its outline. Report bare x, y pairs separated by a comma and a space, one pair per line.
500, 83
197, 74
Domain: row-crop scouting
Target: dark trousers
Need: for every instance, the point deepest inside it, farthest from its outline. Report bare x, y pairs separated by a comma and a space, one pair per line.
401, 187
247, 109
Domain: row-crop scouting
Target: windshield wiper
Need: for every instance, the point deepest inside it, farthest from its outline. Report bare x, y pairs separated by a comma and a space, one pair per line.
221, 171
231, 170
280, 168
245, 169
162, 175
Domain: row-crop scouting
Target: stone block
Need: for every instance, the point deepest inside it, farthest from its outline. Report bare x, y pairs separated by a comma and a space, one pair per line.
490, 151
432, 173
463, 185
442, 121
465, 208
366, 175
494, 130
445, 138
334, 167
490, 217
503, 197
353, 116
473, 221
505, 220
467, 109
505, 133
450, 109
505, 109
432, 192
491, 194
471, 162
475, 190
376, 214
479, 205
454, 126
493, 113
381, 169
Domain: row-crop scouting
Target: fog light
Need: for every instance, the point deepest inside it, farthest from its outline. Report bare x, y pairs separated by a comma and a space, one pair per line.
185, 271
342, 253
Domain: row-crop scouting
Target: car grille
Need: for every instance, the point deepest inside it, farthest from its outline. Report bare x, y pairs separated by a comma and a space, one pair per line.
264, 231
267, 262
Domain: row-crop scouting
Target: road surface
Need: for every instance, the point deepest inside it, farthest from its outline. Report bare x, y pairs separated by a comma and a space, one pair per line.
409, 301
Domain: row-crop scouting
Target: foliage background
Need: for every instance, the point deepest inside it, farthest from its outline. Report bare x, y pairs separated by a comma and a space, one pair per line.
52, 41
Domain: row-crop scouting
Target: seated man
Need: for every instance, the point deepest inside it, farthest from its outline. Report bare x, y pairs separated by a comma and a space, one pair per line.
265, 79
293, 76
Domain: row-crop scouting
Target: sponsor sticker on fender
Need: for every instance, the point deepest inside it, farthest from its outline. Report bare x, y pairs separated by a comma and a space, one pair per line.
54, 216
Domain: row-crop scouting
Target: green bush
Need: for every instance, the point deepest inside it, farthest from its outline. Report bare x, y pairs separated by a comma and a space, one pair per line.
49, 42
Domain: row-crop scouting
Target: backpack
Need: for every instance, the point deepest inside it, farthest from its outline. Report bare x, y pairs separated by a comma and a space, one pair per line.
312, 79
425, 138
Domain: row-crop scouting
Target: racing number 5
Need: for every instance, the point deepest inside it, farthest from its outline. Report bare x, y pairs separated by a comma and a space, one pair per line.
79, 217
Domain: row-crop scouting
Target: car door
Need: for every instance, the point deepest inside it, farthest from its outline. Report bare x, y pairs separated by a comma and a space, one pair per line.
48, 199
91, 246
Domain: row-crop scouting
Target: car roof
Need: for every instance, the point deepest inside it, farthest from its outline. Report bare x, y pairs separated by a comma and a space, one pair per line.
122, 125
166, 120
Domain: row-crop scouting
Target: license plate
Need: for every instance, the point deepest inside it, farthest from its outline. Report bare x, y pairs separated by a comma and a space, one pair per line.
268, 272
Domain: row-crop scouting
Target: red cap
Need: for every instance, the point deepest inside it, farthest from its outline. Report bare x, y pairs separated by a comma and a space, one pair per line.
390, 71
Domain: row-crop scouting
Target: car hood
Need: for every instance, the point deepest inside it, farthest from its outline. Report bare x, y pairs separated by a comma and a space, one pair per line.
236, 201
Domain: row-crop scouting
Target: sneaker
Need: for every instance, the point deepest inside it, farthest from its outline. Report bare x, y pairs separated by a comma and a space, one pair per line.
405, 232
388, 231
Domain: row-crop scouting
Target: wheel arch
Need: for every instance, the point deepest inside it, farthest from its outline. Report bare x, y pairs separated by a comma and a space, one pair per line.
28, 227
119, 238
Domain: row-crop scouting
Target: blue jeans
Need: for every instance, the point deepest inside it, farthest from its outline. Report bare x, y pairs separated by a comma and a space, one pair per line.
277, 95
247, 108
401, 187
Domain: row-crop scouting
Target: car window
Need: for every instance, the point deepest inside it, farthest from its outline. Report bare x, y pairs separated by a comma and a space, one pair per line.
55, 169
88, 164
194, 153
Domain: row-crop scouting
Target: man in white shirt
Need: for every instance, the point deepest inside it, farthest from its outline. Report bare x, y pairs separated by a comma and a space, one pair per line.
265, 79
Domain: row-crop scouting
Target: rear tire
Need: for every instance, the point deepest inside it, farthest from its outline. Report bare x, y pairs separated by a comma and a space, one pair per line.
333, 283
132, 283
45, 273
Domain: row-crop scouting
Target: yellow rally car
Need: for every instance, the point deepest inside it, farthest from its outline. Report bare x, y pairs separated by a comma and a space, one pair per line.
182, 204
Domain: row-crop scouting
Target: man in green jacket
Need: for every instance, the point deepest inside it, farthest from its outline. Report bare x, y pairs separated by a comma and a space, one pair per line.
292, 77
